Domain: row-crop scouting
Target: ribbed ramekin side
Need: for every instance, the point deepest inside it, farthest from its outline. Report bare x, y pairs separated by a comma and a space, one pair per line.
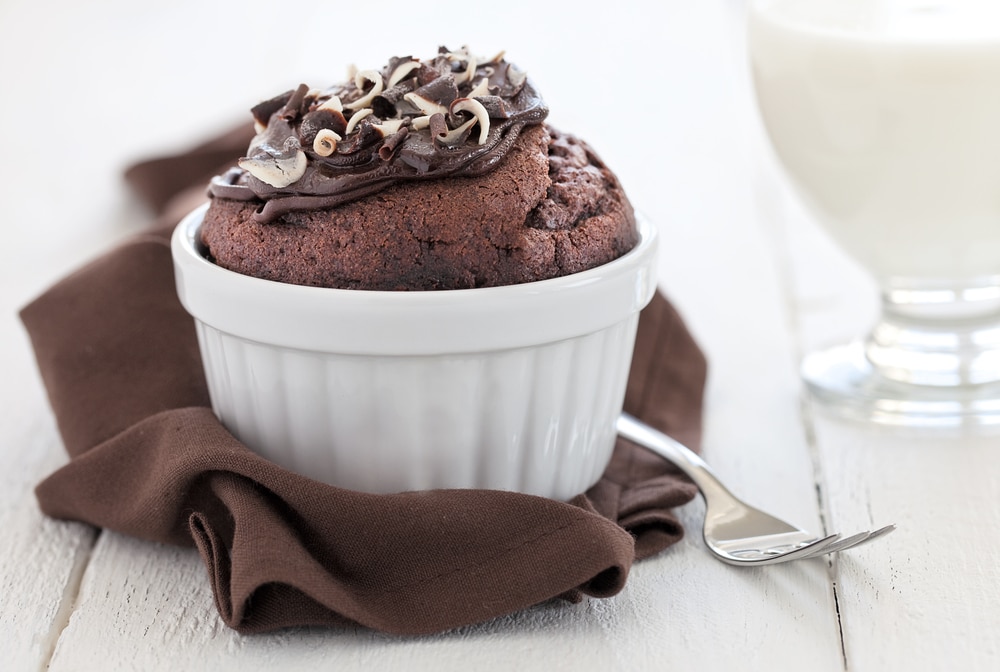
576, 396
538, 420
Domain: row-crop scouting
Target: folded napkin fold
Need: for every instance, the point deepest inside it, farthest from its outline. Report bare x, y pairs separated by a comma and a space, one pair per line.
120, 361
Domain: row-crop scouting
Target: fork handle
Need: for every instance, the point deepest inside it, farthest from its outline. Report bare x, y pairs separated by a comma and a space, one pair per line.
682, 457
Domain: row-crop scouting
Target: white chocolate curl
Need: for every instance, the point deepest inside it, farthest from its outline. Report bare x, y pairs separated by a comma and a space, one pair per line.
326, 142
479, 112
481, 89
401, 72
425, 105
359, 81
470, 72
452, 137
516, 77
355, 118
332, 104
388, 127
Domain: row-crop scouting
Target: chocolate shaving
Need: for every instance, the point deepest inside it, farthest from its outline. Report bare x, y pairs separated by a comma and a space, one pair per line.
401, 70
364, 135
317, 120
426, 74
392, 143
395, 62
387, 103
396, 93
495, 106
438, 126
442, 90
383, 108
405, 108
515, 79
456, 118
441, 63
356, 93
262, 111
293, 108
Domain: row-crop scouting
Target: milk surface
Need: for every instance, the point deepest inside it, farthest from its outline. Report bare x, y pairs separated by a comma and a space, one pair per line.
886, 115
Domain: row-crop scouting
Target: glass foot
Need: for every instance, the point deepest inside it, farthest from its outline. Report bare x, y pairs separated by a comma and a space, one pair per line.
844, 381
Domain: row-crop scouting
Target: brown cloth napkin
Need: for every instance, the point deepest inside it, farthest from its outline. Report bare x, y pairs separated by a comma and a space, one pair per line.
119, 358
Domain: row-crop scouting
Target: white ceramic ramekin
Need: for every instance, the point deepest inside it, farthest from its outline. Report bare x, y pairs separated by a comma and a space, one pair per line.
512, 388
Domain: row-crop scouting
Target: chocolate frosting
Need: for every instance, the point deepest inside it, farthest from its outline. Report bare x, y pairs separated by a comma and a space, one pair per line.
454, 115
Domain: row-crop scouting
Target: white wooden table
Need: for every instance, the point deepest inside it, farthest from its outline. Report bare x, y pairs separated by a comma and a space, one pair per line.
88, 87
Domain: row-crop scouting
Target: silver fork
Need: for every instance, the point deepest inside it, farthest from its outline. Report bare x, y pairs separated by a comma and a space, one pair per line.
735, 532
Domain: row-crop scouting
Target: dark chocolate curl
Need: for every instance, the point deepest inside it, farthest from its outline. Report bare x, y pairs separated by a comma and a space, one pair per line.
442, 90
439, 127
495, 106
382, 108
392, 143
292, 109
396, 93
394, 63
364, 135
426, 74
386, 104
262, 111
440, 64
317, 120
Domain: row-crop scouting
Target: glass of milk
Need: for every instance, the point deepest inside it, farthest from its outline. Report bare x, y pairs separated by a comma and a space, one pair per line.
885, 115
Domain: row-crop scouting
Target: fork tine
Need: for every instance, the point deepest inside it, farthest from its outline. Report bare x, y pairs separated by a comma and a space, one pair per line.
854, 541
843, 544
881, 532
803, 552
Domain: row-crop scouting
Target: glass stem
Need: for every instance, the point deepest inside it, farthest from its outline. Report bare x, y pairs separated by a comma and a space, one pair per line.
937, 334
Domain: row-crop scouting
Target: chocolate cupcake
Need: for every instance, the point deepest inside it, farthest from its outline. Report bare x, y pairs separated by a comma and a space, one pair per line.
426, 175
433, 175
